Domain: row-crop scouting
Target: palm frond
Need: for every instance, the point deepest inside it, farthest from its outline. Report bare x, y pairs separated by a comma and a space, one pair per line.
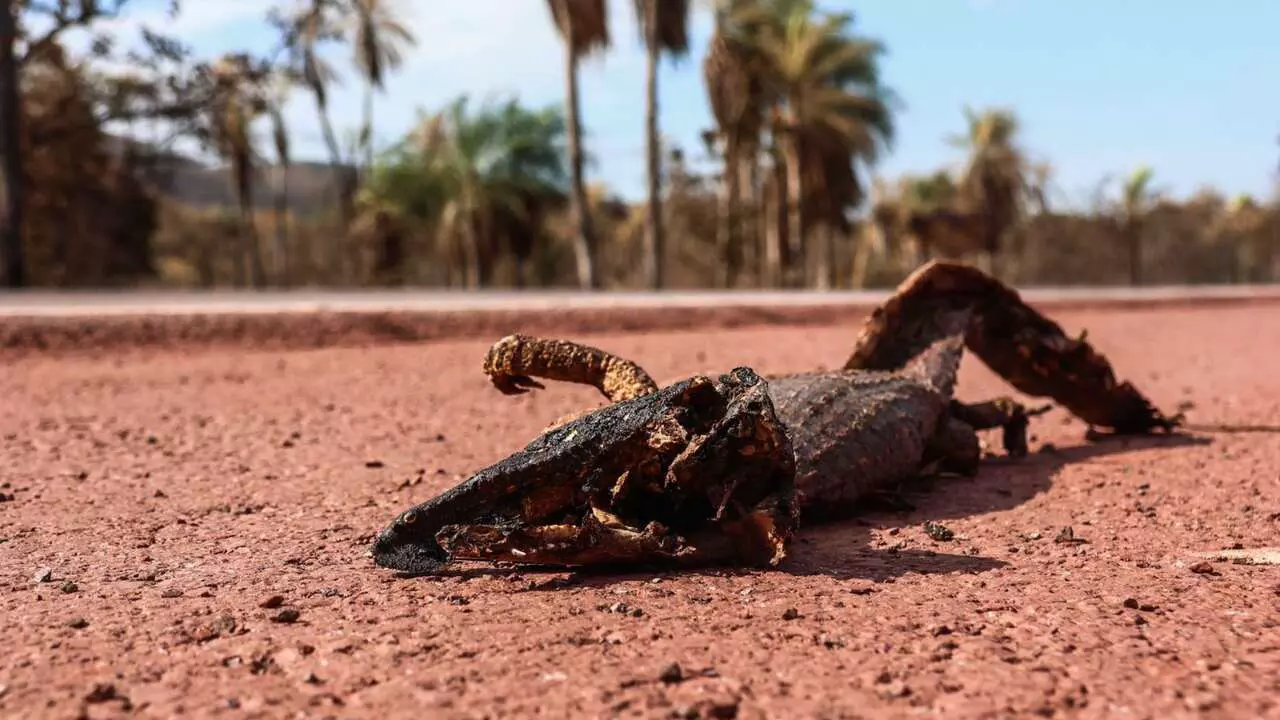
584, 24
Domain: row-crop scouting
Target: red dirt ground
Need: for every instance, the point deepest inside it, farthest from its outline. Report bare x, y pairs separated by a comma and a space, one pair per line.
165, 496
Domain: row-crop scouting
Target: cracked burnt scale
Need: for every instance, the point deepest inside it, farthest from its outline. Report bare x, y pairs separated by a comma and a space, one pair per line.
721, 470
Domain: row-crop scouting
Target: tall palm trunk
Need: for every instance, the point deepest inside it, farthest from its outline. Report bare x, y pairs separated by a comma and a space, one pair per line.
774, 218
584, 244
653, 251
728, 240
1133, 234
346, 186
471, 253
793, 273
861, 258
826, 257
249, 245
10, 143
368, 126
284, 268
750, 228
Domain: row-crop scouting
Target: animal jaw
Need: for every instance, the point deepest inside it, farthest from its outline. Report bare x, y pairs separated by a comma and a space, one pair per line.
700, 471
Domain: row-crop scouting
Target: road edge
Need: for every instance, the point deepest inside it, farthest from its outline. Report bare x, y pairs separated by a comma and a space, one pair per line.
294, 330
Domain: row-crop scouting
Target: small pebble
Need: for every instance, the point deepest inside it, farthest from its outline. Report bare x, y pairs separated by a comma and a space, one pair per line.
272, 602
69, 587
1131, 603
374, 464
101, 692
1203, 568
171, 593
43, 575
78, 623
722, 709
1067, 536
938, 532
287, 615
671, 674
790, 614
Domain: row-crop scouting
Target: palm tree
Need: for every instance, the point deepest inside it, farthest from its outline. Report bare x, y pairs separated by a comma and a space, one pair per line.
584, 28
929, 193
479, 177
735, 93
304, 34
280, 139
823, 85
995, 178
1136, 198
665, 28
378, 40
1242, 225
232, 114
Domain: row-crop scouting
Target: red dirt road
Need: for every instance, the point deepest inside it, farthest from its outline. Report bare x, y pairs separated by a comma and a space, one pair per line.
170, 495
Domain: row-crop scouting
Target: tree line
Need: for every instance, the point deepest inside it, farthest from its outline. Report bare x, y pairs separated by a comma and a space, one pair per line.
495, 194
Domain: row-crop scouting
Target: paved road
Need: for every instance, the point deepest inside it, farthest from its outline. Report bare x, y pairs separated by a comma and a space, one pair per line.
97, 303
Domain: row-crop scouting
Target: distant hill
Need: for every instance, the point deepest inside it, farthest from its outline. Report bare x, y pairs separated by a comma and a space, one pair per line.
207, 186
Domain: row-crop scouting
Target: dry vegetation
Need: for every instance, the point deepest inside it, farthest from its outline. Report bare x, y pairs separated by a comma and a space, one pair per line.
495, 195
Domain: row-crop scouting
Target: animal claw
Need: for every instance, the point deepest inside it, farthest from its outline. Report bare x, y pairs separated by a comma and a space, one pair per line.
515, 384
1034, 412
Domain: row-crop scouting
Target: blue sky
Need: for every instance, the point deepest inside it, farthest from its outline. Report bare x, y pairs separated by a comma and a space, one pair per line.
1101, 86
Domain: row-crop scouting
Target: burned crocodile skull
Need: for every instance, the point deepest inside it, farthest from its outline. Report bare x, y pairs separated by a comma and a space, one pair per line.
699, 471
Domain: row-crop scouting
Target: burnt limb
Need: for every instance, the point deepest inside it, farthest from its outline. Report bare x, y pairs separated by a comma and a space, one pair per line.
1012, 417
955, 448
513, 362
1017, 342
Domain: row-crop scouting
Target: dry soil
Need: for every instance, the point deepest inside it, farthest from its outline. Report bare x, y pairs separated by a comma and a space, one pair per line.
184, 533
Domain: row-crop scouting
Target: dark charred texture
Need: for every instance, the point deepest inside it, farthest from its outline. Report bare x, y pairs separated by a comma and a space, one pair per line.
719, 470
1024, 347
700, 471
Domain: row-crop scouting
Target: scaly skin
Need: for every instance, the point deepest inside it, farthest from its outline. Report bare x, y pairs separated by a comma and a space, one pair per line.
708, 471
